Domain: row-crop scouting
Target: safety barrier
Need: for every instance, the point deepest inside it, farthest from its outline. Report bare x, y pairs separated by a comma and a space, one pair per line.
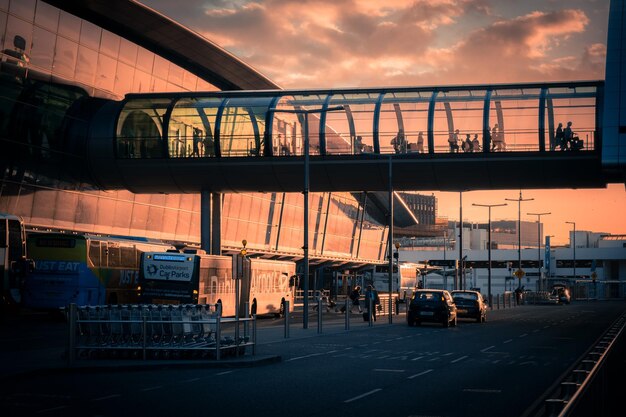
156, 332
585, 389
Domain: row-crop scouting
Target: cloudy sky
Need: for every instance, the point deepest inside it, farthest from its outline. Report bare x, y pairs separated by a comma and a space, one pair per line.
367, 43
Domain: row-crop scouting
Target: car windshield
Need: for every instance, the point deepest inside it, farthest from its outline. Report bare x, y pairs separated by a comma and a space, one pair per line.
429, 296
464, 296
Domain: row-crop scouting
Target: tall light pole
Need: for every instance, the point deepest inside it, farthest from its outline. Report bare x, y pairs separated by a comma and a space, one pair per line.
305, 248
539, 245
519, 271
574, 246
489, 206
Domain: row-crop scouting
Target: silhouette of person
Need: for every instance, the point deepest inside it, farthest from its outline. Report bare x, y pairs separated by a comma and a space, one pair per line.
399, 142
475, 143
467, 144
558, 138
420, 142
371, 298
358, 145
568, 135
453, 141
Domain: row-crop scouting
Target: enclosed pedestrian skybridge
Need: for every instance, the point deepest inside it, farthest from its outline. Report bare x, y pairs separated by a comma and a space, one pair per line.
446, 138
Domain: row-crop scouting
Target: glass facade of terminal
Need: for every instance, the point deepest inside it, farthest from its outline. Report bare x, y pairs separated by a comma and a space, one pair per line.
52, 59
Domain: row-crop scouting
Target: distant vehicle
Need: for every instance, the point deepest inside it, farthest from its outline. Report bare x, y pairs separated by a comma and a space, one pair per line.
14, 264
429, 305
183, 278
470, 304
83, 269
560, 294
403, 285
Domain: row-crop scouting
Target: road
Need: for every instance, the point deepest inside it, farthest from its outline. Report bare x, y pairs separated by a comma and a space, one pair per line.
498, 368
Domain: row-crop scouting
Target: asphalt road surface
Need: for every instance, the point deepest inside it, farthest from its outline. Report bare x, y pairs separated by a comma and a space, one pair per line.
497, 369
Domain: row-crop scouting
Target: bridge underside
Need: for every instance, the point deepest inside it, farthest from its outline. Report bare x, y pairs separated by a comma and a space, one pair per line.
363, 173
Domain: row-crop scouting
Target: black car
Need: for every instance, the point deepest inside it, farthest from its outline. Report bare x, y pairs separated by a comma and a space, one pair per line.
435, 306
470, 304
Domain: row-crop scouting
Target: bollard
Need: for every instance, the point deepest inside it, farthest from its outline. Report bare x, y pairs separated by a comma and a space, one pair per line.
254, 329
286, 321
71, 337
347, 313
319, 315
218, 337
246, 326
498, 301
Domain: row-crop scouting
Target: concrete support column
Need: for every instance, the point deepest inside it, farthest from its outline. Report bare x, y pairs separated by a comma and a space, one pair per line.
211, 222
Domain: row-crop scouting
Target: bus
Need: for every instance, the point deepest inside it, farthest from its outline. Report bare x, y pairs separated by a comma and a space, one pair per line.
198, 278
83, 269
14, 264
403, 285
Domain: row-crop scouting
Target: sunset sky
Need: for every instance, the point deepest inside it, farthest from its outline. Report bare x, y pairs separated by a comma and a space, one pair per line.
370, 43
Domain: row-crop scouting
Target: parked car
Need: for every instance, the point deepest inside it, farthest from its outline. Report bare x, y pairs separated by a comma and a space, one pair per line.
430, 305
470, 304
560, 294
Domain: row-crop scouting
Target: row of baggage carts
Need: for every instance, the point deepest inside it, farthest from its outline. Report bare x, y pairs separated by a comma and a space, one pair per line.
157, 332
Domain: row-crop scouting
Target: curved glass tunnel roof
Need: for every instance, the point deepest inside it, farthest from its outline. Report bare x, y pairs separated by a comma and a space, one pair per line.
462, 119
440, 138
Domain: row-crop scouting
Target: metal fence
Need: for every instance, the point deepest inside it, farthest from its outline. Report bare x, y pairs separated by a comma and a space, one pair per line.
156, 332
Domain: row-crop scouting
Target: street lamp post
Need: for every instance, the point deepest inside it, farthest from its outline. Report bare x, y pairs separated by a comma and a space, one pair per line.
519, 236
539, 245
574, 246
305, 247
489, 206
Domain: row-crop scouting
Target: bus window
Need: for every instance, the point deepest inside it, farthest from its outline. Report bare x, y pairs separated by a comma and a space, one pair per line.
128, 257
94, 253
114, 256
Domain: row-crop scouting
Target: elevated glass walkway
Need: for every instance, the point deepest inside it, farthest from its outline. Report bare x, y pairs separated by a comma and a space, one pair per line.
507, 118
433, 136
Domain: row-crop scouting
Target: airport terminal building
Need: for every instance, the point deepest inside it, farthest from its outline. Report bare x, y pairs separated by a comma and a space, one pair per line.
60, 57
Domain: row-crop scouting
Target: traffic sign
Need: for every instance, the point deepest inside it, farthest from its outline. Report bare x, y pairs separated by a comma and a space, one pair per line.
519, 273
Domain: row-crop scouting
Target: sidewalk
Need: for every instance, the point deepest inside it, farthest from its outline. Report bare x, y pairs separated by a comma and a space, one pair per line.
33, 343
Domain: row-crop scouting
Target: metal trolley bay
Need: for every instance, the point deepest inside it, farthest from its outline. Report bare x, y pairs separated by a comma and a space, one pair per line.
157, 332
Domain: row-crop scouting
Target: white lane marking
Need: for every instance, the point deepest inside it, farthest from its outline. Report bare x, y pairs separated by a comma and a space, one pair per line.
224, 373
547, 326
535, 331
523, 335
488, 391
459, 359
486, 349
47, 410
358, 397
448, 354
508, 341
387, 370
304, 357
190, 380
108, 397
151, 388
417, 359
420, 374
